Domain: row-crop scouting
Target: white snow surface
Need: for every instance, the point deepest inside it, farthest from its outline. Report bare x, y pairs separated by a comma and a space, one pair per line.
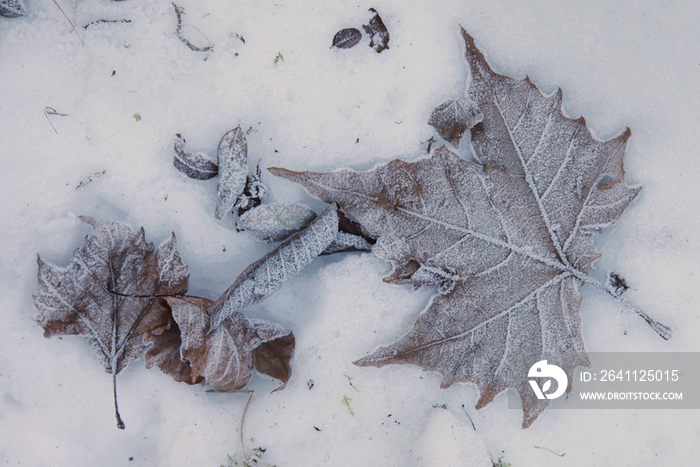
448, 442
619, 64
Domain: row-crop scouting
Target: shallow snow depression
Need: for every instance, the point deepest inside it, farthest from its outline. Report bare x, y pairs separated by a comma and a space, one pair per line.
132, 86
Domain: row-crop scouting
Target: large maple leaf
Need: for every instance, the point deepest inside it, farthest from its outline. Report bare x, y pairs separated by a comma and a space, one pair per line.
506, 241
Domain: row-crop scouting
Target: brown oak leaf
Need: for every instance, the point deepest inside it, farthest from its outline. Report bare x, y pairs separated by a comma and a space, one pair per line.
507, 242
107, 291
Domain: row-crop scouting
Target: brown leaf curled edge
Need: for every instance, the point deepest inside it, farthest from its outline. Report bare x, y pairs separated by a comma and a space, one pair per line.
507, 243
226, 357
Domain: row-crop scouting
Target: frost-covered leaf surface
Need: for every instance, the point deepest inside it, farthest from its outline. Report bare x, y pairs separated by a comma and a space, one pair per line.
347, 38
277, 221
232, 157
506, 242
197, 166
227, 356
453, 117
12, 8
105, 293
259, 280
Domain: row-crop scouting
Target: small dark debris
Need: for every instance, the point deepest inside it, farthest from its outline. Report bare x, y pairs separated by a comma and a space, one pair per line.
346, 38
131, 459
317, 428
430, 143
114, 72
89, 179
617, 284
310, 384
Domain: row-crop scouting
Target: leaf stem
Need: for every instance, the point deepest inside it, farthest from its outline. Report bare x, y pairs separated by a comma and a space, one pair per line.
120, 422
661, 329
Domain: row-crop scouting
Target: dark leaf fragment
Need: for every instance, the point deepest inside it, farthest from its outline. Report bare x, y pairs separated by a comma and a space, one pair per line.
617, 284
106, 293
12, 8
252, 195
197, 166
347, 38
163, 347
378, 34
453, 117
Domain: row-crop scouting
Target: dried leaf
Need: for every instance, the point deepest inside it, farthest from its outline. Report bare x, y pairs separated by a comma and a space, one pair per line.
227, 356
506, 242
12, 8
163, 347
378, 34
197, 166
347, 38
232, 157
106, 293
453, 117
275, 222
259, 280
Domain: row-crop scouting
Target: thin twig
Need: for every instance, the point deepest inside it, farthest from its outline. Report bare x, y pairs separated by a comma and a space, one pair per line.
468, 416
105, 21
51, 111
661, 329
179, 11
252, 461
69, 22
547, 449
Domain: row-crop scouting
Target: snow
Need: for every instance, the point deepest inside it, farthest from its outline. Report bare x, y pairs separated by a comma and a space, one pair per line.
450, 443
618, 64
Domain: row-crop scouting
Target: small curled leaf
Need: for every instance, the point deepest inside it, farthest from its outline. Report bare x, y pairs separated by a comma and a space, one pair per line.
12, 8
275, 222
197, 166
347, 38
232, 156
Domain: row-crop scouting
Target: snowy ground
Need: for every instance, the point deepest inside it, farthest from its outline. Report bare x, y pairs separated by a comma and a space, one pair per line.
633, 64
